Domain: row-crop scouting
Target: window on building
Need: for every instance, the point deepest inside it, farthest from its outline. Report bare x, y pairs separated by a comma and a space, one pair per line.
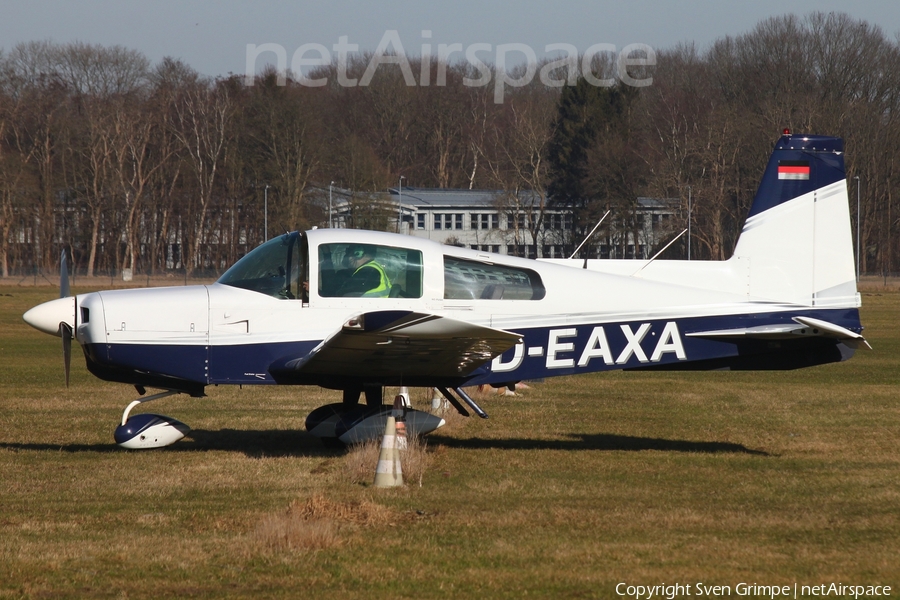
485, 221
516, 221
558, 221
420, 220
520, 250
554, 251
494, 248
448, 221
551, 222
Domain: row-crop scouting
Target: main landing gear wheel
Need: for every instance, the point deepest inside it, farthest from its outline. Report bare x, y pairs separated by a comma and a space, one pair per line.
350, 422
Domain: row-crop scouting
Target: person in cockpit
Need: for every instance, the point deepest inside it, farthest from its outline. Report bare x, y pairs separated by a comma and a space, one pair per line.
369, 279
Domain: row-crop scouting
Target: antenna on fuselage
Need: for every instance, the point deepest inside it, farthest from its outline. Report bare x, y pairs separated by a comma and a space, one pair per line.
588, 236
675, 239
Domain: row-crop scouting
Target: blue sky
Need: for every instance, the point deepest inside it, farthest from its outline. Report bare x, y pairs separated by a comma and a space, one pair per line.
212, 36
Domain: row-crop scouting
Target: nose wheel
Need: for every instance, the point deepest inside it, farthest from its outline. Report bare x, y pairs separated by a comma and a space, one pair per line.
148, 430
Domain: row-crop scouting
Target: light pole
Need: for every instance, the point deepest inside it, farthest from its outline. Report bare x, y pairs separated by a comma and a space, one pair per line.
690, 213
857, 227
266, 214
330, 186
400, 203
690, 218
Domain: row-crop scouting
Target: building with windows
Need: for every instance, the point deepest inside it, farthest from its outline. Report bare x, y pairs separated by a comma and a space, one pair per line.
503, 223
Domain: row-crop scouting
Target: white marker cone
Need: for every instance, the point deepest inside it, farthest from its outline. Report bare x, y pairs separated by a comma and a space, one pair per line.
399, 414
400, 438
388, 472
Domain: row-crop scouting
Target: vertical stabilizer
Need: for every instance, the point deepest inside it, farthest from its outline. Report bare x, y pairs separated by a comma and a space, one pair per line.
797, 238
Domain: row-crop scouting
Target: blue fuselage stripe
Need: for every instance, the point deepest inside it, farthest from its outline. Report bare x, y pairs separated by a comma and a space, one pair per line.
545, 351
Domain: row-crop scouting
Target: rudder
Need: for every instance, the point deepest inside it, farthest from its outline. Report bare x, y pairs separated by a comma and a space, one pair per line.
797, 238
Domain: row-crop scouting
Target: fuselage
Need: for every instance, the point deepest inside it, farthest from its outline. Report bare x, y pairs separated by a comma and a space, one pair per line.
571, 319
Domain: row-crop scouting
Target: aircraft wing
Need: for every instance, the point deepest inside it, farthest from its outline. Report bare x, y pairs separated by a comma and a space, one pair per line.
404, 344
803, 326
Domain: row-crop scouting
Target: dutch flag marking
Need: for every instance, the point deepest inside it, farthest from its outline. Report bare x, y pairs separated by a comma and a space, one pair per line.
793, 169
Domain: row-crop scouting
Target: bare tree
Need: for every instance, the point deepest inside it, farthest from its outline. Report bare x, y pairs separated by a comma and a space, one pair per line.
201, 118
140, 154
16, 182
520, 164
284, 124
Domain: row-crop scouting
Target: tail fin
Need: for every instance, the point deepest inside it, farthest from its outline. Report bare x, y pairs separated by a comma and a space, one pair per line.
797, 239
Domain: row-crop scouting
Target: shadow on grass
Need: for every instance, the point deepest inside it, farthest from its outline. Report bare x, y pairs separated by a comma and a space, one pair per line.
253, 443
286, 442
597, 441
256, 443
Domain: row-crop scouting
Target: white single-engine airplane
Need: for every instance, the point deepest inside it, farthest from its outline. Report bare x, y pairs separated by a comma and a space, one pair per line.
358, 310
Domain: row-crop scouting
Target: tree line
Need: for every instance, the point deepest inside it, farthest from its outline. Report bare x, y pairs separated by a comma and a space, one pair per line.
154, 168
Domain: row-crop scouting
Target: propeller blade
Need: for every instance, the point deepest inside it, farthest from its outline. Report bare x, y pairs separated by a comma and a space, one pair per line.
63, 276
66, 332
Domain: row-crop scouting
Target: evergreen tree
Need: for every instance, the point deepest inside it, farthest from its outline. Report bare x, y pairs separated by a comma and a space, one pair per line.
592, 162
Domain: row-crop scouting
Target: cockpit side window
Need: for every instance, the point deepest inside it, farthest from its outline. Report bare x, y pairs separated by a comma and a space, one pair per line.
474, 280
369, 271
278, 268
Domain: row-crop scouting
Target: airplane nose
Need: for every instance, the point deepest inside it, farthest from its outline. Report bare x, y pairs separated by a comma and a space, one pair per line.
46, 317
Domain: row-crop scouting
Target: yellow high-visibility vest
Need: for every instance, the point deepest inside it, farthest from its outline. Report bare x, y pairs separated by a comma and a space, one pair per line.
384, 286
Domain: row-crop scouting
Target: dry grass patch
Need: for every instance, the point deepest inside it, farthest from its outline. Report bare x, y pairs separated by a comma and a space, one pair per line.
286, 532
317, 524
360, 512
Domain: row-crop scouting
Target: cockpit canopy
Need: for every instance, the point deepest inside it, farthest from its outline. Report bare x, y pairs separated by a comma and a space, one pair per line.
280, 268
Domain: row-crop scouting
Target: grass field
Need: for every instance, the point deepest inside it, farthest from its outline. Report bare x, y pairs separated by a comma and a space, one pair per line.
575, 486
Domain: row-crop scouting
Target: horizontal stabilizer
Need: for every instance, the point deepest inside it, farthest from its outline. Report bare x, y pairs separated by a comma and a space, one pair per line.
803, 326
759, 332
832, 330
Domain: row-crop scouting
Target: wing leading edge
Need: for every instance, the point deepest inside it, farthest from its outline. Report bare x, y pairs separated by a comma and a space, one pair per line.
391, 347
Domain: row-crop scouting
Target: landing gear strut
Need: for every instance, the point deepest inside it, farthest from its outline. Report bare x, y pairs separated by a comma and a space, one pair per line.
142, 400
465, 398
373, 395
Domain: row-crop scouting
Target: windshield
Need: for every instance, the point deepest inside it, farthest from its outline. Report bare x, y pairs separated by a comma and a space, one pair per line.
277, 268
